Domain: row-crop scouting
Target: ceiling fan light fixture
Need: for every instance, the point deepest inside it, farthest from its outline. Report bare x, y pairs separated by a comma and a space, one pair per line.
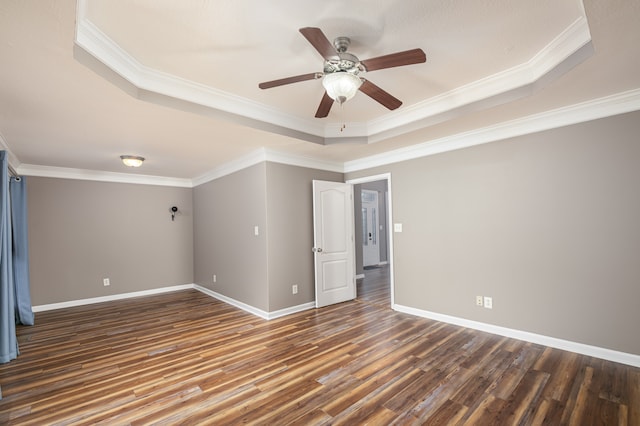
132, 160
341, 86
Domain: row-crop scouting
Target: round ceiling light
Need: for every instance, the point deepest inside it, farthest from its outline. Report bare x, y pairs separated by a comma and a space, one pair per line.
132, 160
341, 86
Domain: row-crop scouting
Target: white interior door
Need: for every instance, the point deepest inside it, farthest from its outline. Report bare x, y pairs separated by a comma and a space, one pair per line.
370, 220
333, 242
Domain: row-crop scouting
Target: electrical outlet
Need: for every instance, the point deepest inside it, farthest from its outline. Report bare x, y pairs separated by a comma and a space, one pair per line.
214, 278
479, 301
488, 302
106, 282
294, 289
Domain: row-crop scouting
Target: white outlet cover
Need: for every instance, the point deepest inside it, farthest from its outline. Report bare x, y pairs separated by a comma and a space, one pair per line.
397, 227
488, 302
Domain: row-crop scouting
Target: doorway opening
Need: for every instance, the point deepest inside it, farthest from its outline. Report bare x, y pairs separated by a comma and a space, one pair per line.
375, 288
374, 240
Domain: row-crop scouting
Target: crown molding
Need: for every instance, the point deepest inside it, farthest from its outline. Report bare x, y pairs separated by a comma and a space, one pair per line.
310, 163
619, 103
12, 160
262, 155
560, 50
255, 157
92, 40
566, 49
100, 176
246, 161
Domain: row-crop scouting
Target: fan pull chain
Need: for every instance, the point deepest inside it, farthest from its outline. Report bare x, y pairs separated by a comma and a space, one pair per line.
344, 126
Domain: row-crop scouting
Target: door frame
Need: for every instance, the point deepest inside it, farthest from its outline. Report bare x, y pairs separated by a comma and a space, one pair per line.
389, 228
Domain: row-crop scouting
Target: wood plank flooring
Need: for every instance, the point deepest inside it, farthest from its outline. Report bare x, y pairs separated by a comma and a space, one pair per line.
185, 358
375, 287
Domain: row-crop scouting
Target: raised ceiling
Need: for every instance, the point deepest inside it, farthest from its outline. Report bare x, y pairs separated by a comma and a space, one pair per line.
177, 82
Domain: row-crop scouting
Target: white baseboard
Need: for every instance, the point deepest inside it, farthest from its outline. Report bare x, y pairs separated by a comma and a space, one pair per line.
248, 308
233, 302
80, 302
581, 348
253, 310
291, 310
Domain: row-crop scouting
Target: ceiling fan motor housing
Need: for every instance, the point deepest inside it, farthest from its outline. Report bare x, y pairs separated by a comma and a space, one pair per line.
342, 61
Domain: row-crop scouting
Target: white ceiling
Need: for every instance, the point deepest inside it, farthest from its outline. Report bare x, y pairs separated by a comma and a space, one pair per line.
177, 82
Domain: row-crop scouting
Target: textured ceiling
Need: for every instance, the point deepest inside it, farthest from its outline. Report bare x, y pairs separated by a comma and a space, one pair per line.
176, 82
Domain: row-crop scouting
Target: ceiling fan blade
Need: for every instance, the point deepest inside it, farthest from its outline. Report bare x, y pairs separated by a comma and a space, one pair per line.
408, 57
288, 80
316, 37
379, 95
325, 106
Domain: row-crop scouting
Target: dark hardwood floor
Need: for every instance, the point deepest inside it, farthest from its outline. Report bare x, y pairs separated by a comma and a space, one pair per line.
375, 287
185, 358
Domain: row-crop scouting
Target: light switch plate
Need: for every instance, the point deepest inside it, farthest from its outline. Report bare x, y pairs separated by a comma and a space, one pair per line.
397, 227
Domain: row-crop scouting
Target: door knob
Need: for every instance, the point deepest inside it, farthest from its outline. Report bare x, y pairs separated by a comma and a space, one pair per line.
316, 250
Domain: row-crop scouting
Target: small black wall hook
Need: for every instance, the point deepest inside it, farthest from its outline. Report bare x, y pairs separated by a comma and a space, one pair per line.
174, 210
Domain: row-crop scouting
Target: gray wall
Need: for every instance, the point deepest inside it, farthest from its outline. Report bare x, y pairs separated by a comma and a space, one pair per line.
258, 271
290, 232
547, 224
82, 231
226, 211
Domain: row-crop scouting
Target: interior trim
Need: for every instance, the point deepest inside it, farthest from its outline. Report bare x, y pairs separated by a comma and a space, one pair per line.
581, 348
112, 297
100, 176
619, 103
261, 155
562, 52
558, 52
567, 345
266, 315
233, 302
245, 307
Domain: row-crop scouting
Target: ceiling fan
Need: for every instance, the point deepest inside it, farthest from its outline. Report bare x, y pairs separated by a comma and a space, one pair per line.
340, 76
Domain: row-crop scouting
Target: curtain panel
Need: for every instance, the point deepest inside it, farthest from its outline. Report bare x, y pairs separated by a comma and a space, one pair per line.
15, 299
8, 340
18, 192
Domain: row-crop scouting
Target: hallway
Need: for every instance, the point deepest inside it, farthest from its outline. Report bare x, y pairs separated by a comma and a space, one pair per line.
375, 287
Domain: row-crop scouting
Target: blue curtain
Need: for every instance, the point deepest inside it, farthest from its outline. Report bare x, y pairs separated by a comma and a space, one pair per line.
18, 191
15, 299
8, 340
